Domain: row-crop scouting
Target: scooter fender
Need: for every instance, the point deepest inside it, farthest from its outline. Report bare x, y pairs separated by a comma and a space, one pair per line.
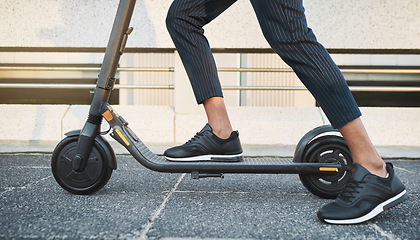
110, 154
307, 138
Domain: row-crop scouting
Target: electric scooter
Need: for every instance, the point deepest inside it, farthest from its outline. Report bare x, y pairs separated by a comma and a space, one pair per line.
82, 163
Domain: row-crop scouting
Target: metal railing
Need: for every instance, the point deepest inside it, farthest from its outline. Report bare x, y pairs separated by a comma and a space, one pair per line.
171, 69
88, 69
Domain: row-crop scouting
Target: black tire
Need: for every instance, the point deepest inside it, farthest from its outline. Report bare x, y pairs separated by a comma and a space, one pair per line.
93, 178
327, 149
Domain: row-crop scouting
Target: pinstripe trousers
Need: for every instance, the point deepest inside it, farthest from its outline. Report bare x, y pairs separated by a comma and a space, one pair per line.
284, 25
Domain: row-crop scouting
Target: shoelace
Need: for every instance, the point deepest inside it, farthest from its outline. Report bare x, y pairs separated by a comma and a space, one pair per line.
195, 138
351, 190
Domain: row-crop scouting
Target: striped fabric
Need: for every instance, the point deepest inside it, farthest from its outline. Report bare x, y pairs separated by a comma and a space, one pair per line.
283, 23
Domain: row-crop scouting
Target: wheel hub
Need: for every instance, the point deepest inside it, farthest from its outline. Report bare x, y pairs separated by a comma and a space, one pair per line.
333, 158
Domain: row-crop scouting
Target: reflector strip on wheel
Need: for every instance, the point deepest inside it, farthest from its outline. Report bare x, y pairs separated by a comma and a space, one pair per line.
107, 115
328, 169
122, 137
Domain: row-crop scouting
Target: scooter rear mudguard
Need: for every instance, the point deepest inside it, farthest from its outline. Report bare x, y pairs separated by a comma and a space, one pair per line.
307, 138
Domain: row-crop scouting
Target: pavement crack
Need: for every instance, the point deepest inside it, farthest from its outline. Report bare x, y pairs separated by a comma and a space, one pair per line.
403, 169
9, 189
383, 232
159, 209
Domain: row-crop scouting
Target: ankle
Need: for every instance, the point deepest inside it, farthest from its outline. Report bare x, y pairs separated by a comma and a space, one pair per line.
380, 171
222, 133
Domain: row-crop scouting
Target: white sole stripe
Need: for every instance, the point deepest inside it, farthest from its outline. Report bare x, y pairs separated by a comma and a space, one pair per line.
203, 158
378, 209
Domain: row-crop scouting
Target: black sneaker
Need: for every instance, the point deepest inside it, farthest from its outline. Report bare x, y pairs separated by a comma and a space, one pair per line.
365, 196
206, 146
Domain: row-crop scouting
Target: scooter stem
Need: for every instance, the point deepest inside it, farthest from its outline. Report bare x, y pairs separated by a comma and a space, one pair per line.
105, 83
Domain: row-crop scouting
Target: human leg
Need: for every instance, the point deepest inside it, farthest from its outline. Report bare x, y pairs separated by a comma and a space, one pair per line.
368, 193
185, 22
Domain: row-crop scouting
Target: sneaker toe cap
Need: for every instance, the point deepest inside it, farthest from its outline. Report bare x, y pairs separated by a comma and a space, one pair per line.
180, 152
335, 211
329, 211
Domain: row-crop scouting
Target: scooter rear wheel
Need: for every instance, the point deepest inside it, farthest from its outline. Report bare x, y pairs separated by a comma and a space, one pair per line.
327, 149
93, 178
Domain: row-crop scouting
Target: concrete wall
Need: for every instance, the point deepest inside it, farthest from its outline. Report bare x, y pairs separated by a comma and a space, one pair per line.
160, 125
373, 24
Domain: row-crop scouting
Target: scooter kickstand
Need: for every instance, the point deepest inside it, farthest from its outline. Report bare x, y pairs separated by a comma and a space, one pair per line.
198, 175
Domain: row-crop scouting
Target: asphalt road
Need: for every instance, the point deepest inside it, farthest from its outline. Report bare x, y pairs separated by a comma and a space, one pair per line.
138, 203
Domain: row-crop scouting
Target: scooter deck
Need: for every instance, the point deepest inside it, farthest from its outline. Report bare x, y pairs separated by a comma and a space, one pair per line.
249, 165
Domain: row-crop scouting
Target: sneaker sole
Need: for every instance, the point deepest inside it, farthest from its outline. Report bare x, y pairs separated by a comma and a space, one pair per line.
392, 202
209, 158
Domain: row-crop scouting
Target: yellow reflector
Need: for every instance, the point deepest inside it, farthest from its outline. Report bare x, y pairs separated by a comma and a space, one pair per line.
122, 137
328, 169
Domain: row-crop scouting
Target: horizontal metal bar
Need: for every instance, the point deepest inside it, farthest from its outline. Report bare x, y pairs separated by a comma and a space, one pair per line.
80, 86
353, 89
137, 69
254, 69
118, 86
262, 88
47, 85
384, 89
359, 71
214, 50
171, 69
144, 86
381, 71
89, 69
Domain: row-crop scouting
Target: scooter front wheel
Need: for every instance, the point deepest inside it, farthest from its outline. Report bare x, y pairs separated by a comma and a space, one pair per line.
94, 177
327, 149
